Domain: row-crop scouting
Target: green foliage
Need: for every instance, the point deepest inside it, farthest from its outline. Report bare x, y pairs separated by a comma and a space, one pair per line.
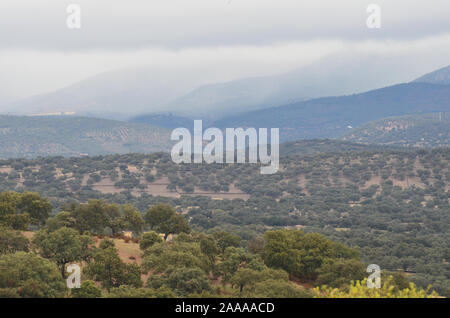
106, 243
410, 130
164, 219
28, 275
88, 289
62, 246
226, 239
132, 219
248, 278
174, 225
148, 239
340, 272
232, 260
209, 247
62, 219
158, 214
388, 289
18, 210
397, 279
300, 254
160, 256
391, 204
12, 241
277, 289
108, 269
132, 292
92, 216
36, 207
97, 216
30, 137
183, 281
255, 245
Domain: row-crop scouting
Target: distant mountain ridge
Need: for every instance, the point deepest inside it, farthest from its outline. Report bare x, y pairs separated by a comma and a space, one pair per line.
112, 94
358, 118
441, 76
332, 117
129, 92
350, 116
327, 77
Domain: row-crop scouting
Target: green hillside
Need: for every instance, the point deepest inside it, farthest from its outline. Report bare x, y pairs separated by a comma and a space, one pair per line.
431, 130
332, 117
29, 137
391, 205
317, 146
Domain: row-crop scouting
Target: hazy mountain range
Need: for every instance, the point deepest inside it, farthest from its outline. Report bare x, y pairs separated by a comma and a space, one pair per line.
341, 116
116, 94
129, 92
331, 117
408, 114
329, 76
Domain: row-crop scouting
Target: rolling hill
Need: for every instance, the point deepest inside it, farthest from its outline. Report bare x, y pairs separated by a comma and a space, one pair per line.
318, 146
332, 117
352, 117
431, 130
29, 137
164, 120
391, 204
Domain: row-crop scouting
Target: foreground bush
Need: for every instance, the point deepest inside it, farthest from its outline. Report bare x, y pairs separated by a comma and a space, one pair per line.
132, 292
88, 289
388, 289
28, 275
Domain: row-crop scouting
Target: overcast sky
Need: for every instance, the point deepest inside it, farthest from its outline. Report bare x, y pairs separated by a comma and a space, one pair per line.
224, 39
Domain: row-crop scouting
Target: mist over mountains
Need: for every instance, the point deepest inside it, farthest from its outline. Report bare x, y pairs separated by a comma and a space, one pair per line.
129, 92
342, 116
331, 117
108, 94
331, 76
285, 101
6, 98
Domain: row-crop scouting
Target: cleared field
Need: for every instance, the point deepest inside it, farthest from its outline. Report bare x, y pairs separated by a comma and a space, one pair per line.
159, 188
127, 251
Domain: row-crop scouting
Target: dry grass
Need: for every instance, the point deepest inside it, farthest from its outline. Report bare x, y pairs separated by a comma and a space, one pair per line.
125, 250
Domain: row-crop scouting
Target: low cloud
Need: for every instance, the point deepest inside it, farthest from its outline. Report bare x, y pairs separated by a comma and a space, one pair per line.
206, 40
